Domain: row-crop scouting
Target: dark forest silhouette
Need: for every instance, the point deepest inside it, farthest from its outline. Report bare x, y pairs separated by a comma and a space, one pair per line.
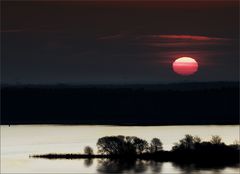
184, 103
120, 150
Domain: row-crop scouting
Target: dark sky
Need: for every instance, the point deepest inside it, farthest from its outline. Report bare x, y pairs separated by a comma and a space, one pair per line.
117, 42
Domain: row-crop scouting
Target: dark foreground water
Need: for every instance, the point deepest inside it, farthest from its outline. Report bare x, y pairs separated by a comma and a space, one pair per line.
18, 142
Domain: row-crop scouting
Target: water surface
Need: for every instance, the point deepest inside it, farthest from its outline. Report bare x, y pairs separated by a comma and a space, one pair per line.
18, 142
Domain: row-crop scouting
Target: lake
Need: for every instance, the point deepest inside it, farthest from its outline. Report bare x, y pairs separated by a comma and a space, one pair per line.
20, 141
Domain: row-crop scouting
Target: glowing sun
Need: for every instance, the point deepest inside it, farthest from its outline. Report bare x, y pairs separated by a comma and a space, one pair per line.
185, 66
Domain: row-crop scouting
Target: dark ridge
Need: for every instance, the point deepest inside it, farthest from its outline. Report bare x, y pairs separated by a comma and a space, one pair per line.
165, 104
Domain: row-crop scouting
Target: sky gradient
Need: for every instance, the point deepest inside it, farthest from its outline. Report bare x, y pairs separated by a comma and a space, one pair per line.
81, 42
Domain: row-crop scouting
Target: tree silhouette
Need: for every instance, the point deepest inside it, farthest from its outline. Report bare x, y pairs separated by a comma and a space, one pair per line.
120, 145
197, 139
216, 140
189, 142
156, 145
139, 144
113, 145
88, 150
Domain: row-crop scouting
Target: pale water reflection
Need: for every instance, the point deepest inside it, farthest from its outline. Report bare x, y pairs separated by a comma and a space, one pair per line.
18, 142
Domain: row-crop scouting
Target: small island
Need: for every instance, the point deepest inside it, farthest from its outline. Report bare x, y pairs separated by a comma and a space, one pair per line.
190, 149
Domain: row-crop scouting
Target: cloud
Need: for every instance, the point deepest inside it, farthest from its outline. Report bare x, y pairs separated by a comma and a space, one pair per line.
165, 46
183, 41
189, 37
167, 40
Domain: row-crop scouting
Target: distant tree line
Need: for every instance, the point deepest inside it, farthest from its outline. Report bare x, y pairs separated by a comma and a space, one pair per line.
131, 104
132, 145
190, 149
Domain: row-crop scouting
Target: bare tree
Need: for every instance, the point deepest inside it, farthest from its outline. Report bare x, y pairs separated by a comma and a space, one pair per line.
197, 139
216, 139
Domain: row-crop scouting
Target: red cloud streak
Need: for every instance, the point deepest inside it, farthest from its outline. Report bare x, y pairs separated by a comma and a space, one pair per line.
192, 37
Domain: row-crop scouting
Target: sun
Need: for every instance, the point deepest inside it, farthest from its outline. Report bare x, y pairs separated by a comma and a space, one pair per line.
185, 66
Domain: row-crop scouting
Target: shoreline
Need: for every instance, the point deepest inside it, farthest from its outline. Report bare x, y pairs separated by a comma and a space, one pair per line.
121, 124
161, 156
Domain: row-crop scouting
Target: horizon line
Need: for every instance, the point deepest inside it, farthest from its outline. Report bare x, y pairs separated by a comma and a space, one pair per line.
114, 84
